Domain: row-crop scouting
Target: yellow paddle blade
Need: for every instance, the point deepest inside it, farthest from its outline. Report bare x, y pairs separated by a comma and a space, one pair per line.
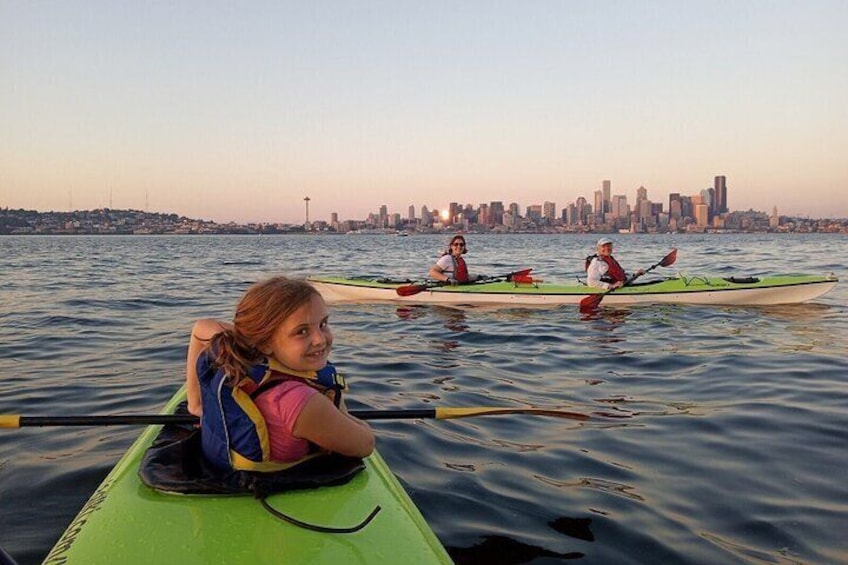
11, 421
448, 413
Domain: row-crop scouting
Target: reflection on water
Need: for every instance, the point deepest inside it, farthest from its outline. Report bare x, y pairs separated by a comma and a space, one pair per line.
577, 528
411, 312
606, 320
452, 318
502, 549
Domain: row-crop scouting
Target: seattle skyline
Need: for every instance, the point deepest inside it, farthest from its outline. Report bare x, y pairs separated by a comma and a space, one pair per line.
236, 113
605, 190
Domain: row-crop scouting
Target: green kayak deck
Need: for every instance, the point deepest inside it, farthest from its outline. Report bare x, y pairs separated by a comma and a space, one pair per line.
127, 522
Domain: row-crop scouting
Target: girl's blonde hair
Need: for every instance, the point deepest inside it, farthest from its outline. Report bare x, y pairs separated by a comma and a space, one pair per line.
264, 306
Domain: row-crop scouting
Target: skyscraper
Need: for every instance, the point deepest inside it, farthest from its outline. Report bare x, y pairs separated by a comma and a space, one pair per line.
720, 204
484, 215
675, 207
582, 210
600, 206
619, 207
534, 212
497, 212
549, 210
641, 194
454, 210
384, 216
607, 188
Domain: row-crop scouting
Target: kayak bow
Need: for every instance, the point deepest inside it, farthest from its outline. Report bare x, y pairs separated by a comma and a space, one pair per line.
125, 521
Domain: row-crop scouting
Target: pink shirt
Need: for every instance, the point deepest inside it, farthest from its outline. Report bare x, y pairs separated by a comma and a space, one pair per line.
281, 406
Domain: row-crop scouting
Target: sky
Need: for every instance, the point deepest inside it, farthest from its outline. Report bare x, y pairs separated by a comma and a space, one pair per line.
236, 111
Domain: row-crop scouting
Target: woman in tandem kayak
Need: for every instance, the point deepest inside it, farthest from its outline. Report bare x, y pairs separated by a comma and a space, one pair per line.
603, 271
262, 385
451, 267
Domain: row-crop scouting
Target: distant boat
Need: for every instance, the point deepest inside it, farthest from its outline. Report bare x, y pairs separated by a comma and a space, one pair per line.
401, 234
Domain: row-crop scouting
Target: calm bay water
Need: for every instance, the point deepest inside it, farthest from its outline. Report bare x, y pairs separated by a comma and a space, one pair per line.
720, 434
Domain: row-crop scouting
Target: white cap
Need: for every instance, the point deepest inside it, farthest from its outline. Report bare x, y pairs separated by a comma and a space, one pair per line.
604, 241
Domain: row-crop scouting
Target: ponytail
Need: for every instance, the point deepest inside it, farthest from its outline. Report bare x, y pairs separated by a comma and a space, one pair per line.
233, 354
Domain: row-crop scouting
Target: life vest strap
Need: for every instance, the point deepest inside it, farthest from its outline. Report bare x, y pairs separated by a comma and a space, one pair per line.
277, 378
242, 463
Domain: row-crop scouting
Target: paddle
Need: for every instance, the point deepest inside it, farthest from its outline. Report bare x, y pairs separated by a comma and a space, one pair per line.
592, 301
413, 289
17, 421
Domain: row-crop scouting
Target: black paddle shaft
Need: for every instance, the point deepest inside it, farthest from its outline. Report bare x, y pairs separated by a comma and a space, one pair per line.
139, 420
155, 419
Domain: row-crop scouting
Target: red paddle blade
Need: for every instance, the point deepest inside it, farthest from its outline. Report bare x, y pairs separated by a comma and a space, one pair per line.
518, 274
669, 259
411, 289
591, 302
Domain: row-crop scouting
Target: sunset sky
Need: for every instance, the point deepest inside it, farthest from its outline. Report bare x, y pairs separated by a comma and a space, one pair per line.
236, 111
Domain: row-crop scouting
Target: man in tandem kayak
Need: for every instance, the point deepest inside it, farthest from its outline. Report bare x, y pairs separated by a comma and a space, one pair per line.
603, 271
451, 267
262, 385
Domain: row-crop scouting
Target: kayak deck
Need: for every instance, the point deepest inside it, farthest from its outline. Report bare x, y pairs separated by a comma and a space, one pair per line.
125, 521
785, 289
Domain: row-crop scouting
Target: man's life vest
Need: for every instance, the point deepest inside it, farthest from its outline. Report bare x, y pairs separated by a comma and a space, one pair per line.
460, 269
615, 272
235, 435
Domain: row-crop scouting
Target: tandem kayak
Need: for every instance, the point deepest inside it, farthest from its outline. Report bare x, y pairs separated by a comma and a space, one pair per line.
127, 522
783, 289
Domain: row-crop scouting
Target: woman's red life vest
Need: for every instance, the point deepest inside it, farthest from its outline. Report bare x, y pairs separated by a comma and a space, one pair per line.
460, 269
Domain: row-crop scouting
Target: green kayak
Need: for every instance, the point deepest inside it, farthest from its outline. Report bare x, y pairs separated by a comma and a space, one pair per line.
127, 522
741, 291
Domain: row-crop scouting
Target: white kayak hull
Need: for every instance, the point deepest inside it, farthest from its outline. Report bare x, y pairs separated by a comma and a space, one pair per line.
786, 289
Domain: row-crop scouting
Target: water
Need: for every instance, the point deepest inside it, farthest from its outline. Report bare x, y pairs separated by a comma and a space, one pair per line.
729, 440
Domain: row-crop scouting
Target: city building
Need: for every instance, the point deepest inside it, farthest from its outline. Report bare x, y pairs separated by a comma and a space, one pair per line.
720, 188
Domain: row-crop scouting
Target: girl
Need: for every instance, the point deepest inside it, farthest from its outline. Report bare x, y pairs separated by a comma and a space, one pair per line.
262, 385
